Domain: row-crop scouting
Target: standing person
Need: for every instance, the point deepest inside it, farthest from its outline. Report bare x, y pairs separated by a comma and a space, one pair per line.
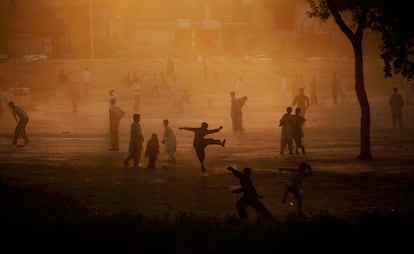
287, 122
87, 80
152, 150
250, 196
294, 185
169, 140
200, 143
236, 112
22, 119
115, 116
301, 101
396, 104
313, 92
74, 96
298, 130
137, 91
334, 88
135, 142
155, 82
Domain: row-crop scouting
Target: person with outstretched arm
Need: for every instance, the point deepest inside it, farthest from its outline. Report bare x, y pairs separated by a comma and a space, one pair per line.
200, 143
250, 196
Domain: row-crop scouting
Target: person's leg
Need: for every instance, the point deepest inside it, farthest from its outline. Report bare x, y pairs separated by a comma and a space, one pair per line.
297, 145
25, 121
241, 206
127, 159
290, 146
282, 145
210, 141
234, 123
17, 131
116, 139
298, 198
393, 118
151, 162
399, 118
137, 157
259, 206
132, 153
201, 156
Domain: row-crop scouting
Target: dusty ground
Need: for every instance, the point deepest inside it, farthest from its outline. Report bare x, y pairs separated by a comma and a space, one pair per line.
69, 152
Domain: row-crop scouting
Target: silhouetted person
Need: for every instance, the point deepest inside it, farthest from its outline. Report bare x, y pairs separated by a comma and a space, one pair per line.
152, 150
294, 185
135, 142
250, 196
236, 112
200, 143
313, 92
22, 119
396, 103
155, 82
298, 130
87, 80
115, 116
74, 96
169, 140
301, 101
137, 91
287, 122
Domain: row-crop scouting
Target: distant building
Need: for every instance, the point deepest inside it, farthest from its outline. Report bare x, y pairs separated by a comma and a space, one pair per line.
103, 28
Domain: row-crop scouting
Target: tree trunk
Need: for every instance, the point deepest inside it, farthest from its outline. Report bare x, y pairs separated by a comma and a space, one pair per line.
365, 139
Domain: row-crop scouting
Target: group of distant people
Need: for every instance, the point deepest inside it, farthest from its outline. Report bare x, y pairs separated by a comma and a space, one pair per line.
291, 131
169, 140
160, 85
75, 87
135, 149
339, 88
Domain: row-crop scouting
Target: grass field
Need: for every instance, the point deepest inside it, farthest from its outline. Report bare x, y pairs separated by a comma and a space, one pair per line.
68, 155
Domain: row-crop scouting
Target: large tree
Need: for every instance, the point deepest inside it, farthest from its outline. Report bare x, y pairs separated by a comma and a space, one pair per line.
392, 20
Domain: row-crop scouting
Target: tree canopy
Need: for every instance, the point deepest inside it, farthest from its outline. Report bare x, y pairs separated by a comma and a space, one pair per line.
392, 19
389, 18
